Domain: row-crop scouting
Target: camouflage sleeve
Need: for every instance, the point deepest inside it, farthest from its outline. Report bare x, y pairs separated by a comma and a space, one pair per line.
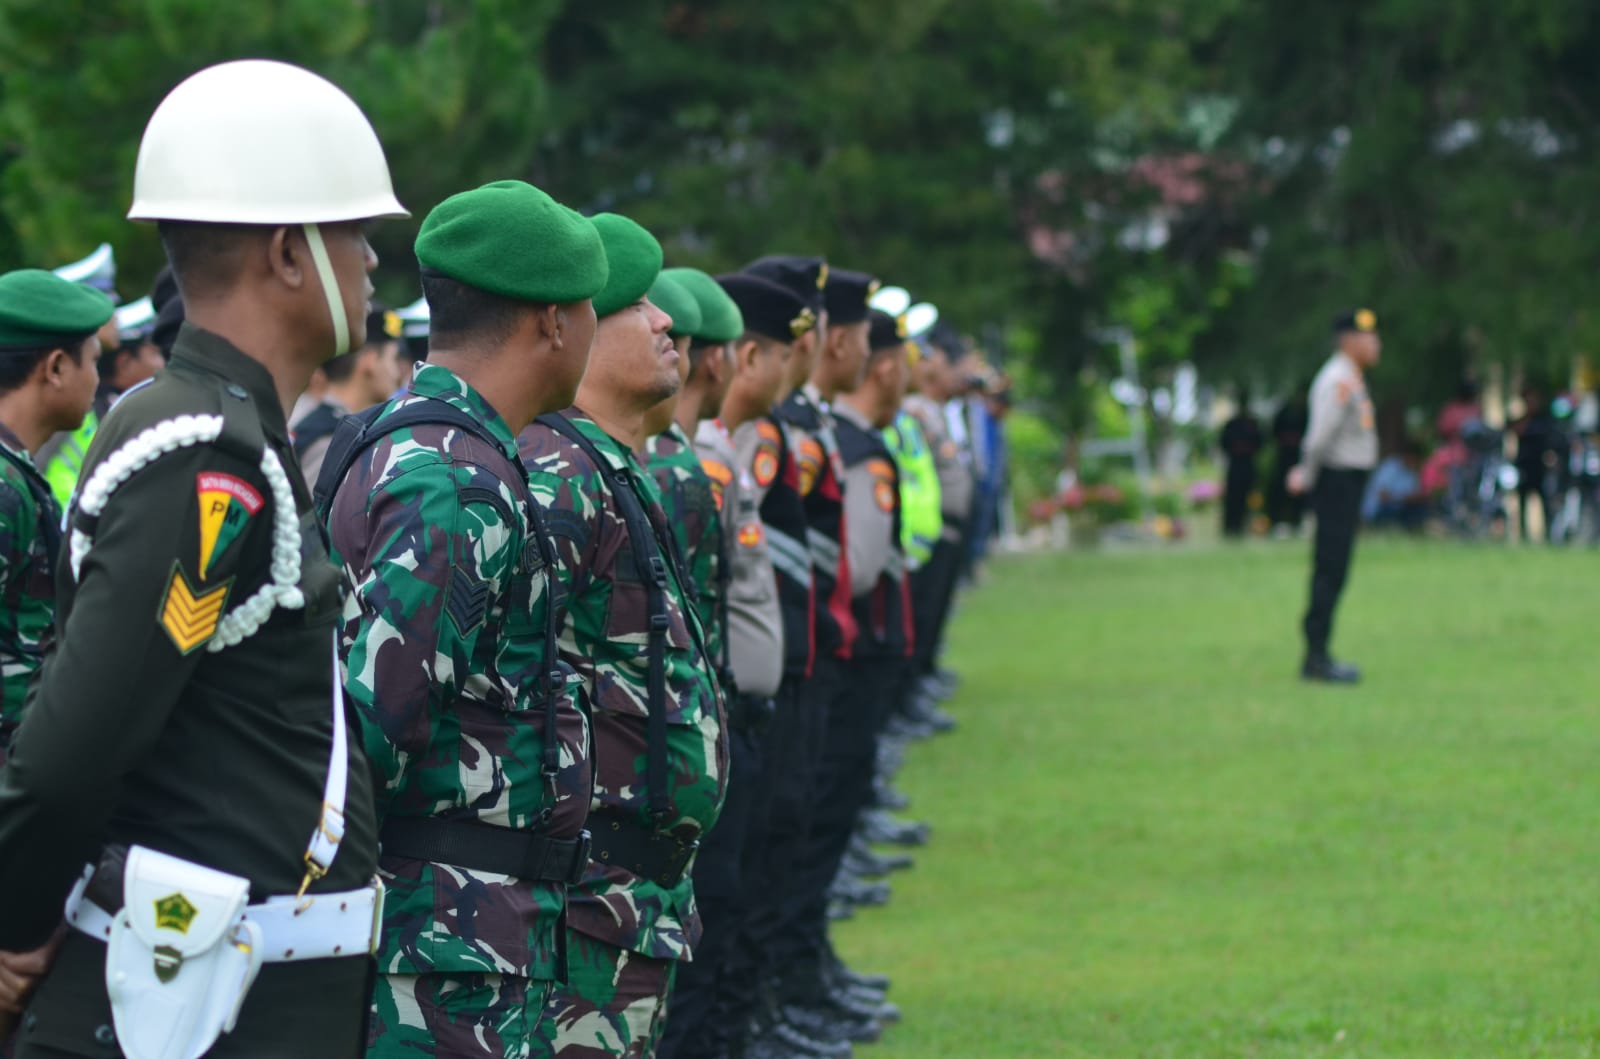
432, 562
15, 533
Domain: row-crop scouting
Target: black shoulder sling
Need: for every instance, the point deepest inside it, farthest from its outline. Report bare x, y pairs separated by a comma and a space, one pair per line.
649, 546
457, 842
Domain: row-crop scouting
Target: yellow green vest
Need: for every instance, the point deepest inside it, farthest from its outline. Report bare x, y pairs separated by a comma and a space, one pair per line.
62, 469
920, 521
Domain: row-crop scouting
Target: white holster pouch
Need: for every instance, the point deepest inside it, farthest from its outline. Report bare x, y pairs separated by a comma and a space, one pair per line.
184, 950
180, 959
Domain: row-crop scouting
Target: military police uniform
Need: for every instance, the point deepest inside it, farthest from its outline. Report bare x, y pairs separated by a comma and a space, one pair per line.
1341, 448
481, 756
187, 731
633, 636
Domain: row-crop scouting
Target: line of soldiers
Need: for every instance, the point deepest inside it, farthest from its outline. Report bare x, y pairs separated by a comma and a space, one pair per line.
631, 599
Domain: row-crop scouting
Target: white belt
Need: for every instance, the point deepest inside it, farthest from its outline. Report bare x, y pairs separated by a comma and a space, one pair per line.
313, 927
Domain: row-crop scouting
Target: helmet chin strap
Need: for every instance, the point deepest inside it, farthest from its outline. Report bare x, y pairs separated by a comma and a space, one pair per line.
330, 289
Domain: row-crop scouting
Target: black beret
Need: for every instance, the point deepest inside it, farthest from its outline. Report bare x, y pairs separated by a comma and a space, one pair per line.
846, 295
1363, 320
806, 276
769, 309
383, 324
168, 321
164, 289
885, 331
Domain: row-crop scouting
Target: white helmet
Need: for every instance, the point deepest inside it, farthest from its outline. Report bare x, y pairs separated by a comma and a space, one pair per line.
259, 142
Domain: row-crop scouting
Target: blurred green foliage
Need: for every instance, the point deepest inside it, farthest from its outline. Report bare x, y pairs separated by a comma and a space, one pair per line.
1219, 176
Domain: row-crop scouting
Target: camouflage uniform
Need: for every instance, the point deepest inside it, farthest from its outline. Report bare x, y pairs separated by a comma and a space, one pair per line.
692, 499
27, 584
626, 931
443, 643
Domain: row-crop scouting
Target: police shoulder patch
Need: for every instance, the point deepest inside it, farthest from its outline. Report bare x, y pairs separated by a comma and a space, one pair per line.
188, 617
884, 493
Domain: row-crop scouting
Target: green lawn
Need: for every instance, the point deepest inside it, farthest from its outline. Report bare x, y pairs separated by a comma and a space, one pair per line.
1152, 840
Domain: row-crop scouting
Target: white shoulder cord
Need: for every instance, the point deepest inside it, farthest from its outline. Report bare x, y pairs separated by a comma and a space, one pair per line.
184, 432
244, 620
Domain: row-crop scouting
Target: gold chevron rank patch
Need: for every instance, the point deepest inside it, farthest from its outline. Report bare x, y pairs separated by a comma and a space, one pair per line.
189, 619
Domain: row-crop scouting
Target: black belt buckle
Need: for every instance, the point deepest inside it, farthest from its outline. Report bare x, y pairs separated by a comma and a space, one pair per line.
580, 859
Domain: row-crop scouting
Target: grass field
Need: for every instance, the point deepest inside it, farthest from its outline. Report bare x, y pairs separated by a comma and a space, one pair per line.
1150, 839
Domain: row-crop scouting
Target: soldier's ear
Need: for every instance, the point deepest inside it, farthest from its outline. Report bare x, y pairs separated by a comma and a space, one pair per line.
288, 257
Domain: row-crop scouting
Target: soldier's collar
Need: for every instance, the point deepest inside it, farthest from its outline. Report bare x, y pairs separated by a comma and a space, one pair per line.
203, 352
14, 443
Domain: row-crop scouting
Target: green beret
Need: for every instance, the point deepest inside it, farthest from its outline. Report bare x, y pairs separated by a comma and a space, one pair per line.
40, 310
635, 259
720, 319
511, 239
670, 297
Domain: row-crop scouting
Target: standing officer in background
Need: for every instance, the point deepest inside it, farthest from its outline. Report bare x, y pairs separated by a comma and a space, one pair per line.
48, 351
480, 755
1341, 448
1241, 447
634, 639
187, 735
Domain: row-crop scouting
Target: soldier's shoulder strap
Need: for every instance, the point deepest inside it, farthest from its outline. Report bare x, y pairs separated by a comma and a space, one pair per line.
354, 434
49, 513
649, 557
319, 423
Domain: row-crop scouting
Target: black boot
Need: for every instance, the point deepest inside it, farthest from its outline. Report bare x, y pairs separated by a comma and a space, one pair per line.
1323, 669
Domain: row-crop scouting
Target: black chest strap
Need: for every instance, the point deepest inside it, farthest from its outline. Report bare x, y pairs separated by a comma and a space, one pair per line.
357, 433
653, 548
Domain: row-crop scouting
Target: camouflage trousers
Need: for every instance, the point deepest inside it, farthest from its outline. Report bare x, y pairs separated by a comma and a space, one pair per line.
613, 1005
456, 1016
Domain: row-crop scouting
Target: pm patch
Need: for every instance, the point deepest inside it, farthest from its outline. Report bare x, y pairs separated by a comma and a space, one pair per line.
227, 503
190, 618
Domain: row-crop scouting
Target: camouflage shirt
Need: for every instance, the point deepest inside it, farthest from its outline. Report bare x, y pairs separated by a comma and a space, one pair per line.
691, 498
27, 585
605, 638
443, 643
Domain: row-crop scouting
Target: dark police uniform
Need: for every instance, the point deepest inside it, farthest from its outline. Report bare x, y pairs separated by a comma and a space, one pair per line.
140, 733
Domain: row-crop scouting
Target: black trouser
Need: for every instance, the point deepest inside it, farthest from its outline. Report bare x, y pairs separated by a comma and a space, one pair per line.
786, 938
844, 787
1337, 505
1283, 507
1236, 496
933, 588
1530, 484
695, 1025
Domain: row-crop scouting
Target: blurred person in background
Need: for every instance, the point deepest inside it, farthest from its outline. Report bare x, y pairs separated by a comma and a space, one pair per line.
1241, 447
1284, 508
1395, 495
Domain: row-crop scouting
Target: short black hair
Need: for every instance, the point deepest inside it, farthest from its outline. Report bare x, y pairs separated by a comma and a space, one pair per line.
206, 258
458, 312
16, 367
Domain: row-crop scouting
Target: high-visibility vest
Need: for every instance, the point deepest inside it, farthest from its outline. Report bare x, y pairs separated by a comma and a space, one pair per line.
921, 521
61, 471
